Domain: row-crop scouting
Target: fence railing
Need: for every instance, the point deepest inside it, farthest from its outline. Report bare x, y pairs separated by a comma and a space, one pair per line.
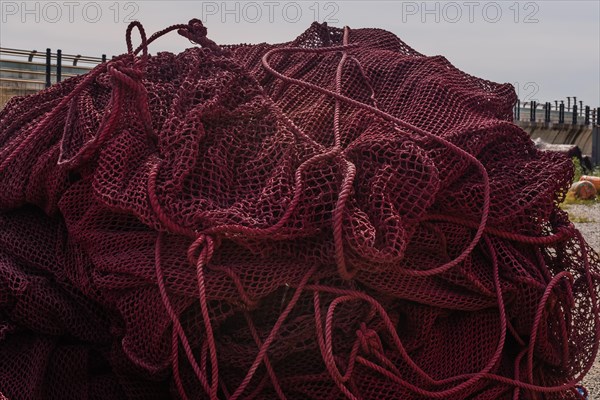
548, 113
24, 72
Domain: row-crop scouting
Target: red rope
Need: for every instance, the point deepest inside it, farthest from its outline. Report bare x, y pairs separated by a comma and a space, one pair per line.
367, 339
265, 346
397, 121
127, 80
175, 320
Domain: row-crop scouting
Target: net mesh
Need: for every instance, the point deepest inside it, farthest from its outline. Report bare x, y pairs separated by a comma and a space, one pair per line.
334, 217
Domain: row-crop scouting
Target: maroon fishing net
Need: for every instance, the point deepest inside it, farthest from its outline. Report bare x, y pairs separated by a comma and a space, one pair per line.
334, 217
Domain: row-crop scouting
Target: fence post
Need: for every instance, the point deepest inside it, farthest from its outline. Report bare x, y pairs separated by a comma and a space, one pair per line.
58, 65
587, 116
547, 107
48, 67
103, 58
574, 122
561, 113
595, 145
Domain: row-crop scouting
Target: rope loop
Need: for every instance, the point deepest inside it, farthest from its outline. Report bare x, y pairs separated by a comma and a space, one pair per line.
143, 45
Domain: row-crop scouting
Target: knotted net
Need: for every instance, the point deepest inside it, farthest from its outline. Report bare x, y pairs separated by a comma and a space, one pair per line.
334, 217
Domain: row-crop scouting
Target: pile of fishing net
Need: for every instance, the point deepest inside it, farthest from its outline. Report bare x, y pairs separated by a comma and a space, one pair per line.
334, 217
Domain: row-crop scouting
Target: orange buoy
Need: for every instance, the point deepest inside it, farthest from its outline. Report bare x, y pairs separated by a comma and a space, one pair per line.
594, 179
584, 190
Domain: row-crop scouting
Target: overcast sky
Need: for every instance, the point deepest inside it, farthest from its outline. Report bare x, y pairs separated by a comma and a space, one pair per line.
548, 49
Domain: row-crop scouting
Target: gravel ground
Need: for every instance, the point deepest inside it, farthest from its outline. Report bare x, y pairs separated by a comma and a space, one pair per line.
587, 219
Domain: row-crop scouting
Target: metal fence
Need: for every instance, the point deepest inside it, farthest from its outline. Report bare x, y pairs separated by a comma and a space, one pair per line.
548, 113
24, 72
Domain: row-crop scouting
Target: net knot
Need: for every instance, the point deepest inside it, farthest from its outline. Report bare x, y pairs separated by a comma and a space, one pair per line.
369, 339
201, 240
196, 32
129, 77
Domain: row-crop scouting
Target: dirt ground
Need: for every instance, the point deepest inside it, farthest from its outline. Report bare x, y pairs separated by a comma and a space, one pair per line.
587, 219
